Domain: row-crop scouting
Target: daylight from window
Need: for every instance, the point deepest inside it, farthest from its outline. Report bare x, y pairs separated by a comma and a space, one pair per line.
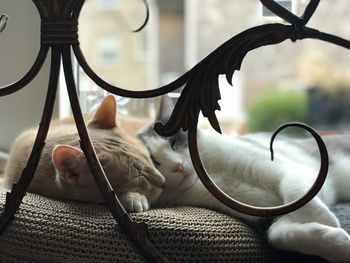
306, 81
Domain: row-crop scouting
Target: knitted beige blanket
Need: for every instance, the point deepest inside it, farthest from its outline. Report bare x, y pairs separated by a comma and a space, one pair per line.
47, 230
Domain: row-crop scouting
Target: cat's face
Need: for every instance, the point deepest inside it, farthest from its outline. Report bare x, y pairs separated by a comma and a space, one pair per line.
170, 155
125, 160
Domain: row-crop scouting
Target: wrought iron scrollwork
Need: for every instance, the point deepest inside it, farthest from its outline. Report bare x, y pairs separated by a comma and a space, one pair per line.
59, 33
201, 94
262, 211
146, 18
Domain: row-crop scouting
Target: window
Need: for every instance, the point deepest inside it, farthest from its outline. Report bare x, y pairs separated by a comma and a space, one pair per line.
140, 47
276, 84
108, 50
287, 4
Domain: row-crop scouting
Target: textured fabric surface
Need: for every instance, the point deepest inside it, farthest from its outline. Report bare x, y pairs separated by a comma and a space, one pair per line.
46, 230
342, 211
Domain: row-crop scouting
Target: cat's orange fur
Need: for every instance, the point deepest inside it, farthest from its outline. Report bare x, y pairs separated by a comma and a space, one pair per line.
64, 173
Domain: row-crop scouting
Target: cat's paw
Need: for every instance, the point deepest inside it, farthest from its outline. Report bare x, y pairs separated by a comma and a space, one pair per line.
316, 211
134, 202
340, 245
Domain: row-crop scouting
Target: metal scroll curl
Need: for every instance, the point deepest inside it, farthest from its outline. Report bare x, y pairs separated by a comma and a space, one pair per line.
201, 94
146, 18
261, 211
29, 76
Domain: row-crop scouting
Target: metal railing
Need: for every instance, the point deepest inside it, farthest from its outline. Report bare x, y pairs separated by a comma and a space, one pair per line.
59, 32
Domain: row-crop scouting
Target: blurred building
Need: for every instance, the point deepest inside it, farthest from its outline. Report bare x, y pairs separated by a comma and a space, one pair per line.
182, 32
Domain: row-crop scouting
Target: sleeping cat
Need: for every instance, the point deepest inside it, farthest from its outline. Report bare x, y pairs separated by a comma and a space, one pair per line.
241, 167
63, 171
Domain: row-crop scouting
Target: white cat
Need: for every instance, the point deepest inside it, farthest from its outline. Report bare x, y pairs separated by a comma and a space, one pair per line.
241, 167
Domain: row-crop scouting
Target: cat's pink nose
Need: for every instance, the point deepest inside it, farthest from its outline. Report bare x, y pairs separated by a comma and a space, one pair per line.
179, 168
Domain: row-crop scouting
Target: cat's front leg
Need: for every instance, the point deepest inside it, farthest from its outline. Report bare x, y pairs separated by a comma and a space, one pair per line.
331, 243
292, 188
134, 202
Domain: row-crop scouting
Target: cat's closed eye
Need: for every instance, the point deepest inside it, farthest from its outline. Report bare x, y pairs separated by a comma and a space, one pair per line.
155, 162
173, 142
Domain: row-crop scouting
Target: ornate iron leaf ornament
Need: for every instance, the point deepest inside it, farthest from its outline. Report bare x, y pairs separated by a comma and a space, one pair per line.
201, 94
59, 32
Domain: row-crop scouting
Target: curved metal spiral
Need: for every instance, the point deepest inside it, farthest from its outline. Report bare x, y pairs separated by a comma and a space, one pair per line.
146, 18
29, 76
14, 198
254, 210
136, 231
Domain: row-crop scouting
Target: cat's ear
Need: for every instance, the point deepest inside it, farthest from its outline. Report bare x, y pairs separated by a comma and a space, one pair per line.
71, 165
105, 116
165, 108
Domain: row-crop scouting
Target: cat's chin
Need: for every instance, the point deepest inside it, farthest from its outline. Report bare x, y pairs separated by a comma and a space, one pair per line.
187, 182
153, 198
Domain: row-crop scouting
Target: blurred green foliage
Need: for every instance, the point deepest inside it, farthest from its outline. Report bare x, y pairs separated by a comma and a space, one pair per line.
275, 108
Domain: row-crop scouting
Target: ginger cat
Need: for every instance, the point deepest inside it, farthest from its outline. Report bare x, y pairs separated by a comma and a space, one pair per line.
63, 171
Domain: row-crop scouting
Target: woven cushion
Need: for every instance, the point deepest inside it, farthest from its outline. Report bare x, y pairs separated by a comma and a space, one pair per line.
46, 230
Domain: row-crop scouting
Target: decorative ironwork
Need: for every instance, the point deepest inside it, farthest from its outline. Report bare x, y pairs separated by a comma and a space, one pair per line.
65, 31
59, 32
146, 18
262, 211
201, 94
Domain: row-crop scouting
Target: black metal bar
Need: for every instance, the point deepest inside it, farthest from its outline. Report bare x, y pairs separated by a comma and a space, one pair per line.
27, 78
309, 10
19, 189
253, 210
280, 11
146, 18
136, 231
122, 92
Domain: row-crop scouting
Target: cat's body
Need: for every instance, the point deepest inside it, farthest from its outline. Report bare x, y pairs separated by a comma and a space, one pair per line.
63, 171
242, 168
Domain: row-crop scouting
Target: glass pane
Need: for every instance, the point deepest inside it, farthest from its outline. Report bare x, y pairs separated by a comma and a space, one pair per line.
19, 41
305, 81
113, 51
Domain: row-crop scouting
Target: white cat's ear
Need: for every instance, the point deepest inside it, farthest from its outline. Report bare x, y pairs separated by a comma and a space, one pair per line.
105, 116
165, 108
71, 165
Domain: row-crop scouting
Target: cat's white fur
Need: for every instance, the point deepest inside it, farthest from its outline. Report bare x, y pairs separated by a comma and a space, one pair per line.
245, 171
242, 168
